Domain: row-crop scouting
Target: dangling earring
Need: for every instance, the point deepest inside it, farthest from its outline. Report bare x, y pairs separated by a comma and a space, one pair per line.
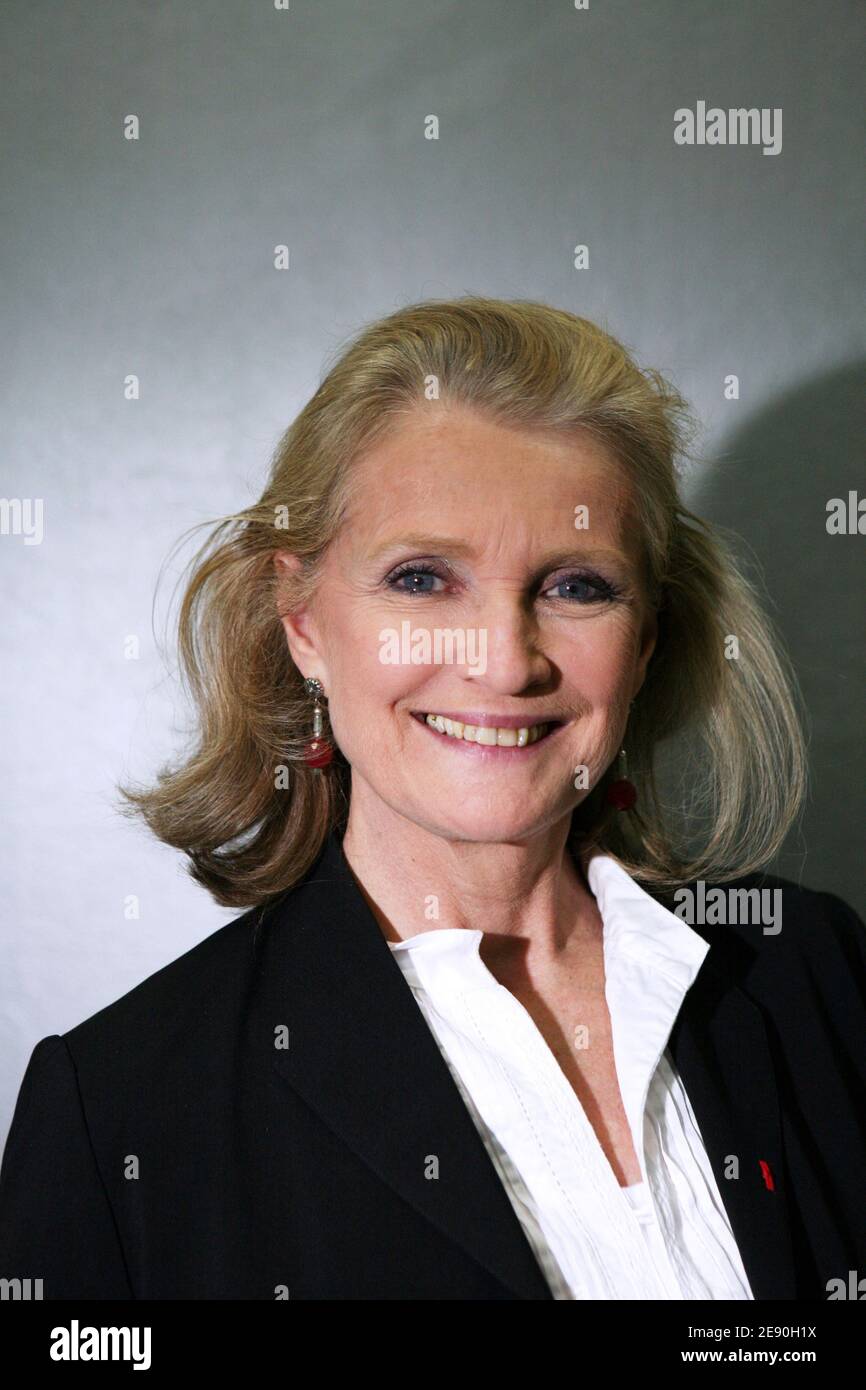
621, 794
318, 752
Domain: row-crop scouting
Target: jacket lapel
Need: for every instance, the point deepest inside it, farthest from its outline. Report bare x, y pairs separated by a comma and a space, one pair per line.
363, 1058
720, 1050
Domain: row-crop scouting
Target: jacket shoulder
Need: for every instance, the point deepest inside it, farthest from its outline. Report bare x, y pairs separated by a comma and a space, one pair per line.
191, 1000
774, 931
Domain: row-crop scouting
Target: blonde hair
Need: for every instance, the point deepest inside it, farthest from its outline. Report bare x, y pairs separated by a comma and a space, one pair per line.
532, 366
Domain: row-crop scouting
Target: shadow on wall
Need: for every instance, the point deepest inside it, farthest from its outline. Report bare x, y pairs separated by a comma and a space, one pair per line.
771, 482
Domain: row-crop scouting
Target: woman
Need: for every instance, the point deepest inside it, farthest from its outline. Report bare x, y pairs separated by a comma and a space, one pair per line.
491, 1027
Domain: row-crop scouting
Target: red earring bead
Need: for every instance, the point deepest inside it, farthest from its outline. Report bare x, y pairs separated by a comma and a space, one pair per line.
318, 753
621, 794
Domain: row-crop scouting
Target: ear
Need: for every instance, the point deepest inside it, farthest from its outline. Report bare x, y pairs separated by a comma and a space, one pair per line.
298, 624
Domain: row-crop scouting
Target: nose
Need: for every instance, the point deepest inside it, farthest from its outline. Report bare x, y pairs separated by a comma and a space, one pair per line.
514, 660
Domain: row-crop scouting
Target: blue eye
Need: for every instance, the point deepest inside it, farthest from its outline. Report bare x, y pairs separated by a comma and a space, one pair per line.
589, 589
412, 572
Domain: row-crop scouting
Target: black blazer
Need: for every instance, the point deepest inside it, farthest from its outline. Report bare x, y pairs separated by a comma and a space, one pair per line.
167, 1148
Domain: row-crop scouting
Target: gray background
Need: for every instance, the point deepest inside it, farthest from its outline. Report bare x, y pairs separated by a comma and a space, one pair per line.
306, 127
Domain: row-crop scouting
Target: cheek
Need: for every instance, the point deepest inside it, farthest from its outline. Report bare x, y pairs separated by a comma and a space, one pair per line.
599, 661
362, 685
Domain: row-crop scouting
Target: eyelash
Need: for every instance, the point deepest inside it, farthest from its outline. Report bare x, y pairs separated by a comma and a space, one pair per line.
604, 590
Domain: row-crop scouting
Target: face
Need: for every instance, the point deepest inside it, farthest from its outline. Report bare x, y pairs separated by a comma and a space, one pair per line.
468, 527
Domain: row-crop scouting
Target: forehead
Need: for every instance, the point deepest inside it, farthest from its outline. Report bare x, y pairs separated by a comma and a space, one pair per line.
455, 470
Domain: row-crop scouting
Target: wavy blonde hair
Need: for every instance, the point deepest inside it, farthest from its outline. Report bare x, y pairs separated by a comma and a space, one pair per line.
524, 364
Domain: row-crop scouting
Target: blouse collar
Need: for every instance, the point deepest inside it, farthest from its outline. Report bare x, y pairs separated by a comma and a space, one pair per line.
635, 924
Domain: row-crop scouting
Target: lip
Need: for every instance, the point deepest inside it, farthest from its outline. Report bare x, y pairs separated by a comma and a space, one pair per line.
484, 751
491, 721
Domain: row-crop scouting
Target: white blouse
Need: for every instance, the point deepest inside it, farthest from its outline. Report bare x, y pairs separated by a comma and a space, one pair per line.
666, 1237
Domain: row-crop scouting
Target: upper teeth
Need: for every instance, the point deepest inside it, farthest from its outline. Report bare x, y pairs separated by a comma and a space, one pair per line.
489, 734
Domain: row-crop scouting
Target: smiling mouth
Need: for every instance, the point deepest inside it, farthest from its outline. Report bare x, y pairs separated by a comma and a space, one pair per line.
487, 735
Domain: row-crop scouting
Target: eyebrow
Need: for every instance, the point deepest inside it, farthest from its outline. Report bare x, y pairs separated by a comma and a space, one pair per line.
452, 545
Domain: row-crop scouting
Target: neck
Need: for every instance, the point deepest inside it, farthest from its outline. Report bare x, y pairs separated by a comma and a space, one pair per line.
415, 880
